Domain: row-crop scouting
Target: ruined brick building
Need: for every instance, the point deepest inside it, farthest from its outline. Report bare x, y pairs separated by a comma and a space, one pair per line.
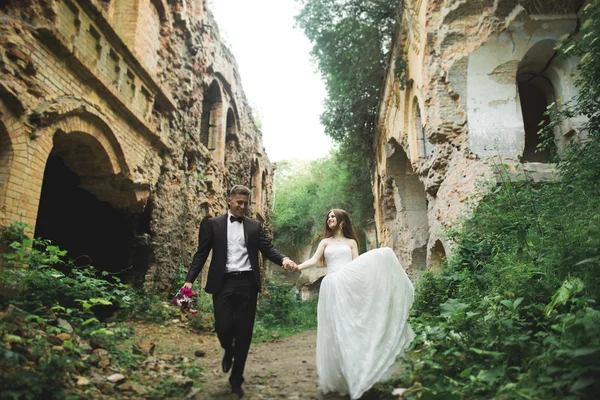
122, 124
480, 75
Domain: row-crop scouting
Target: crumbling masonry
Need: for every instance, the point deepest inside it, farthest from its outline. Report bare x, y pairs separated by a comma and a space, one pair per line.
122, 124
480, 74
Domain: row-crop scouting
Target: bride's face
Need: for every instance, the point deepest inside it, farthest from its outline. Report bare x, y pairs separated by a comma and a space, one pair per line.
332, 221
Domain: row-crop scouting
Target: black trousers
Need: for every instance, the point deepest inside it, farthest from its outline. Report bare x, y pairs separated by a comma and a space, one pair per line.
235, 309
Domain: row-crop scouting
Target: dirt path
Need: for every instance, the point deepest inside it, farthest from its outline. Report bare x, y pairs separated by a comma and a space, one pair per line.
283, 369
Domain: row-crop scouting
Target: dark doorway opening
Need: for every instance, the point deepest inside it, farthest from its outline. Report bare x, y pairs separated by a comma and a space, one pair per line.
438, 256
211, 107
533, 106
92, 231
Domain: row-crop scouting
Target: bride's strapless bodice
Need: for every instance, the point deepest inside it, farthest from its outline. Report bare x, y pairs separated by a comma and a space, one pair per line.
337, 256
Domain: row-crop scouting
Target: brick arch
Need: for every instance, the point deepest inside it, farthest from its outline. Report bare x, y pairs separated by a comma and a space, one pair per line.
13, 159
232, 113
75, 120
211, 123
79, 127
227, 91
83, 185
255, 184
96, 139
6, 158
232, 137
73, 116
86, 153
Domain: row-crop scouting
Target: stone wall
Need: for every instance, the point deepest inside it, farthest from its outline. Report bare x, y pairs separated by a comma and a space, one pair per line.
122, 124
479, 76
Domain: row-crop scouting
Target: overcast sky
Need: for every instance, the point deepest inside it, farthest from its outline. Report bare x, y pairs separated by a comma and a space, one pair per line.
279, 79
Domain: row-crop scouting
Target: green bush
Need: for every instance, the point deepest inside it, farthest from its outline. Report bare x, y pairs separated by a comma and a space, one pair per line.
514, 313
40, 279
281, 312
23, 342
278, 306
39, 286
149, 307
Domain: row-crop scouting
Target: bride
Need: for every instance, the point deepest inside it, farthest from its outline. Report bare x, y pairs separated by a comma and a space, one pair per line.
363, 307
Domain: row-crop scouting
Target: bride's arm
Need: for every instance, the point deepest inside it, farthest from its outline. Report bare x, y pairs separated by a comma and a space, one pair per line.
354, 248
314, 260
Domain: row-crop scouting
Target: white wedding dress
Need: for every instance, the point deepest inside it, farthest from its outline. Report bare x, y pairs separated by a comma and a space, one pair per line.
362, 319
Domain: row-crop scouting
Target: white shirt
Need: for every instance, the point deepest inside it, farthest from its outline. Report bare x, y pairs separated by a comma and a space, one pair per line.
237, 253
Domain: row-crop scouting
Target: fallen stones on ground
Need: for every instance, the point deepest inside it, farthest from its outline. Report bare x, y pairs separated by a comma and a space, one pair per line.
95, 373
116, 378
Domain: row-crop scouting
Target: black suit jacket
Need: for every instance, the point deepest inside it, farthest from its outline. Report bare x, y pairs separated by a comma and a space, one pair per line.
213, 236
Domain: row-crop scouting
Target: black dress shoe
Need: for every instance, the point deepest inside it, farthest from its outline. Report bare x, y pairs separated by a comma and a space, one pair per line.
237, 390
227, 361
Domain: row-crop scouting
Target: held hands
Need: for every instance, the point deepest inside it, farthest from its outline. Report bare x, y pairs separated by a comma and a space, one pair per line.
289, 265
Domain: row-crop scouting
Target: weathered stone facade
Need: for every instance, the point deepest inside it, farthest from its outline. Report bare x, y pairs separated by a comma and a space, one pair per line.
122, 124
480, 75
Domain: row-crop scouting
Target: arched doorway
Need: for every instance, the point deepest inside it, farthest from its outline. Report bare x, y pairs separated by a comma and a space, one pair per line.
425, 148
78, 171
255, 188
232, 141
410, 204
210, 130
263, 195
536, 92
533, 107
438, 256
6, 155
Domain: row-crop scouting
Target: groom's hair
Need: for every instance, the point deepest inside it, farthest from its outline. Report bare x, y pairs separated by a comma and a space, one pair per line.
239, 189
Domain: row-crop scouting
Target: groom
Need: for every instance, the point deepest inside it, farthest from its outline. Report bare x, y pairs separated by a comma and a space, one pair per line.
234, 277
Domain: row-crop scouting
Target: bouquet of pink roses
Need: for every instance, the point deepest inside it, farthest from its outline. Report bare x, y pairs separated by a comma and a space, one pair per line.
185, 299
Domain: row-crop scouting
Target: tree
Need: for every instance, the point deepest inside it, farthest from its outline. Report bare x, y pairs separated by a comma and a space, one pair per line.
351, 45
304, 193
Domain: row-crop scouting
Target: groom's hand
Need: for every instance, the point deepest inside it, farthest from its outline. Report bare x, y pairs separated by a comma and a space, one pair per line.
289, 265
285, 263
187, 285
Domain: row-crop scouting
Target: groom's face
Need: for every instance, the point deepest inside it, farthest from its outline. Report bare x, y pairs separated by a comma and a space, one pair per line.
238, 204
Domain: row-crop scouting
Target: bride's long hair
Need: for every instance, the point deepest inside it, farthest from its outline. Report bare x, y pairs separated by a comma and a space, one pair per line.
343, 223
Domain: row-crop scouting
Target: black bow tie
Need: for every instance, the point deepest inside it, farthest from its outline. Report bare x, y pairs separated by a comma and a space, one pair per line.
236, 219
